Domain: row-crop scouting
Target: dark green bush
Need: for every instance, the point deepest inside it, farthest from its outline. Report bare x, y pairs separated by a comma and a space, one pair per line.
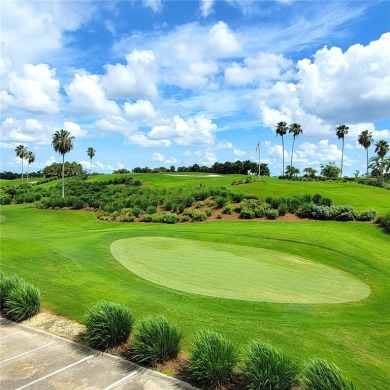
246, 213
267, 368
151, 210
221, 201
22, 301
345, 213
5, 200
282, 209
108, 324
212, 360
384, 221
136, 211
318, 374
367, 215
156, 341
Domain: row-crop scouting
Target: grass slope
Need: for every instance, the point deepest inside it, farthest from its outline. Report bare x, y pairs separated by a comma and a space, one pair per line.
67, 255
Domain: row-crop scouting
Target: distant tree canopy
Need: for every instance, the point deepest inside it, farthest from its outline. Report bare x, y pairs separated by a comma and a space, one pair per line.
330, 170
121, 170
70, 169
236, 167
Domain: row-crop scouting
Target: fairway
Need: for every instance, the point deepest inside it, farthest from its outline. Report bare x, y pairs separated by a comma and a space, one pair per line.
236, 271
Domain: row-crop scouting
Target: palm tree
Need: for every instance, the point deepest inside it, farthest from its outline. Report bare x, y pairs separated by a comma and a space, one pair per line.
381, 149
30, 159
341, 132
365, 139
62, 143
21, 152
295, 129
281, 129
91, 153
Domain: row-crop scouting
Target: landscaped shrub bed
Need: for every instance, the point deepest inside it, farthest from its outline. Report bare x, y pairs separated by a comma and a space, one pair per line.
126, 200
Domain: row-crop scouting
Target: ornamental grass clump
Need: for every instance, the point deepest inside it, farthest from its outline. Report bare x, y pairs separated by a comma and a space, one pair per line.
22, 301
7, 283
108, 324
213, 360
318, 374
267, 368
156, 341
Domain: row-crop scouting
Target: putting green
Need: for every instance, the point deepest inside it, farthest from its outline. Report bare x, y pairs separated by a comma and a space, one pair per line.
236, 272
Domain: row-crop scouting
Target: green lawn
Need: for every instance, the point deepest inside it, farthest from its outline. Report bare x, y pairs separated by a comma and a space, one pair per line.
67, 255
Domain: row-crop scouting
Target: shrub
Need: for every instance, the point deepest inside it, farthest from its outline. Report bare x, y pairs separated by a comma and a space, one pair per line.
247, 213
212, 360
367, 215
156, 341
5, 200
108, 324
7, 283
185, 218
220, 201
22, 301
272, 214
169, 218
345, 213
267, 368
208, 212
198, 216
282, 209
228, 209
151, 210
136, 211
321, 375
385, 222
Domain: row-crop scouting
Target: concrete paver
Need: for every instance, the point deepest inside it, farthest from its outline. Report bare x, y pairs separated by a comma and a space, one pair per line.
35, 360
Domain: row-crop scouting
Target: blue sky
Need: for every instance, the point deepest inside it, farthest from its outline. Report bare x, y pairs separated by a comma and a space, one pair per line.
160, 83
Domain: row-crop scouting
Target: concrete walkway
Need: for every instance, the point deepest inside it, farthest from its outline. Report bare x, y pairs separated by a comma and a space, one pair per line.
34, 359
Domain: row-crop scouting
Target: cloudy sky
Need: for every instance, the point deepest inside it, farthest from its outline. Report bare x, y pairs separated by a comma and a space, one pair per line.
160, 83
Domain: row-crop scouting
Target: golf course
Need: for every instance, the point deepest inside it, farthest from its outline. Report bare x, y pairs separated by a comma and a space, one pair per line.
310, 288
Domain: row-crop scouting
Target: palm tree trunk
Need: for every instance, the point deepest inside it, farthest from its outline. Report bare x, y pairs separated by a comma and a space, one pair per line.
22, 170
367, 160
28, 169
292, 151
283, 154
90, 171
342, 159
63, 171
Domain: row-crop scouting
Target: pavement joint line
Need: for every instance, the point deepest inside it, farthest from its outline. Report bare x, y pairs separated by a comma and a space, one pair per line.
123, 380
25, 353
55, 372
12, 334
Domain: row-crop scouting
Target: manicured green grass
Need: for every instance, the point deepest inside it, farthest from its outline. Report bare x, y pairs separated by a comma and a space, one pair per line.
66, 254
235, 271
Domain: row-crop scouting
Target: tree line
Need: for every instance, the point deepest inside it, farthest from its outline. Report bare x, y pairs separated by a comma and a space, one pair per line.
378, 164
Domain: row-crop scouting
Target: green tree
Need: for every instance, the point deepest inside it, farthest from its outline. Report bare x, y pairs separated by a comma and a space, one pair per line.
310, 172
381, 149
365, 139
330, 170
341, 132
291, 171
62, 143
295, 129
91, 153
21, 152
30, 159
281, 129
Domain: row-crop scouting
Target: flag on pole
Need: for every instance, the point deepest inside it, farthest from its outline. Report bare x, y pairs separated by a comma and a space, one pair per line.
258, 147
